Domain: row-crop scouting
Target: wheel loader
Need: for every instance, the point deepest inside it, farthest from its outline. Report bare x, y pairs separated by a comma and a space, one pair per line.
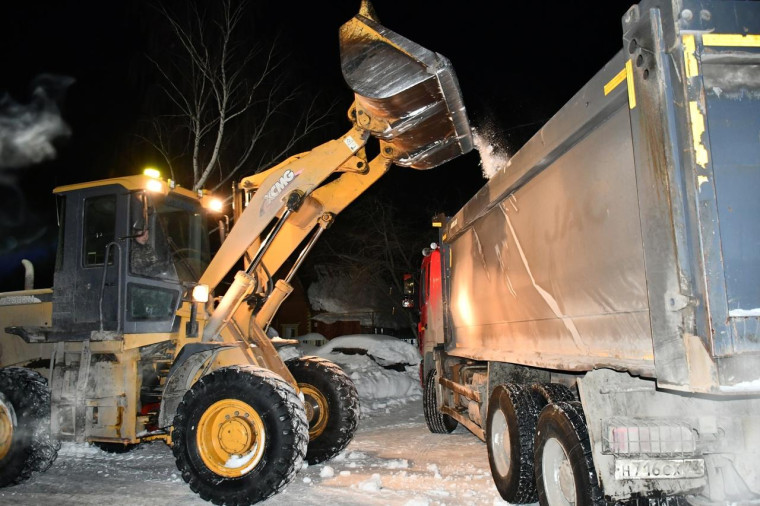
132, 345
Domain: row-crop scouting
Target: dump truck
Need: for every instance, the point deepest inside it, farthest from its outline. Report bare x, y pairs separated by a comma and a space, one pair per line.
131, 344
592, 313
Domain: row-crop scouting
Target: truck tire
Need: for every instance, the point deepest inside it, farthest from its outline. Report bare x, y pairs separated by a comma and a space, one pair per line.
115, 447
240, 435
510, 431
565, 472
547, 393
437, 422
331, 403
26, 445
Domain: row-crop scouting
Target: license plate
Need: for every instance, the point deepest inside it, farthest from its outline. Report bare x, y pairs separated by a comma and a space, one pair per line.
651, 469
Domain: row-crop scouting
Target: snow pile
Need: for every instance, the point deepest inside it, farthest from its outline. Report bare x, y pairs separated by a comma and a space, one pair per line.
379, 388
433, 468
385, 350
384, 369
373, 484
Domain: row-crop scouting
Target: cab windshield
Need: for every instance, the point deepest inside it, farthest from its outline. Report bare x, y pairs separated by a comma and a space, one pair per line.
181, 223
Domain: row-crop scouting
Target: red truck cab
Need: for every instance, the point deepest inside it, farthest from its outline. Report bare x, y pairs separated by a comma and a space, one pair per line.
431, 323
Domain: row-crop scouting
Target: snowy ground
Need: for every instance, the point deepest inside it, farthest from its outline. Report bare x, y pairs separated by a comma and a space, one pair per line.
393, 460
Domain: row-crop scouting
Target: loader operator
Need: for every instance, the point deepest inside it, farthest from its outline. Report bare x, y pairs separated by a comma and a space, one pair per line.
143, 258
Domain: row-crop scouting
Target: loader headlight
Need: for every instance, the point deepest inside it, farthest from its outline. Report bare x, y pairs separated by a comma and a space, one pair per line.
155, 186
200, 293
209, 202
215, 205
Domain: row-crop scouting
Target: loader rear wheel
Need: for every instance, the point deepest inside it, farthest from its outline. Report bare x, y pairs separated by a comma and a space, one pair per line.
565, 472
240, 435
331, 403
437, 422
25, 442
510, 431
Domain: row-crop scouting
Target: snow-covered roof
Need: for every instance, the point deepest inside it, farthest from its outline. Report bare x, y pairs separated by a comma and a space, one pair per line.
336, 296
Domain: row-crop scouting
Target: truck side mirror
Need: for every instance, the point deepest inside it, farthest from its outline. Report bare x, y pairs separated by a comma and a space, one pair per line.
408, 300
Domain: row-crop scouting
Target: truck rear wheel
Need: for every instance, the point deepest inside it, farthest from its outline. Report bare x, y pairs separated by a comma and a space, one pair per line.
437, 422
331, 403
25, 442
565, 472
510, 431
240, 435
547, 393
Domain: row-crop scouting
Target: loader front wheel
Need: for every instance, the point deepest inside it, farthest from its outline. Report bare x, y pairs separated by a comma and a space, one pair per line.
25, 442
331, 403
239, 435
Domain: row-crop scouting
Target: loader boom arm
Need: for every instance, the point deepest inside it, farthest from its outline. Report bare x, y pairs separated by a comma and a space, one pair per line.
416, 112
298, 174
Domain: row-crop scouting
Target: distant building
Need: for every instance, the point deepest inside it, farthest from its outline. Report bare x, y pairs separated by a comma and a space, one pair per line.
343, 305
294, 316
313, 339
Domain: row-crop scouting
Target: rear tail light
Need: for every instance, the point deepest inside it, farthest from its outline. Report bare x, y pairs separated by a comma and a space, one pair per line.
633, 437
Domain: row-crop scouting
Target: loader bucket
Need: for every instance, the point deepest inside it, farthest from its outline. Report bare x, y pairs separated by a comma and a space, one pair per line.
406, 95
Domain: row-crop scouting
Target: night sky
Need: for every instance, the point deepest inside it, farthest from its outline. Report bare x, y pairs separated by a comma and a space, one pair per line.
516, 68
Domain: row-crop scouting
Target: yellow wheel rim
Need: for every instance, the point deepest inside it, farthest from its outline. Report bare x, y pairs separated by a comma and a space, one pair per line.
231, 438
317, 409
6, 428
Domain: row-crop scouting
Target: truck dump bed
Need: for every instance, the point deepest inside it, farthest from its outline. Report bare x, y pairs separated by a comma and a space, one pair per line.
625, 233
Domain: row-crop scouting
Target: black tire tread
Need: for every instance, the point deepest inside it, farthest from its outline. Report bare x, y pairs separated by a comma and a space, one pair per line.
33, 410
573, 413
339, 433
286, 406
523, 490
437, 422
548, 393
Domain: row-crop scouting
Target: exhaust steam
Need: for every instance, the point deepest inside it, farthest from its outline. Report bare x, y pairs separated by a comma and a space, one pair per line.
28, 131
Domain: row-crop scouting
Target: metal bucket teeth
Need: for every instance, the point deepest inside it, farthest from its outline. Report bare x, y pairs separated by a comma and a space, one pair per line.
406, 95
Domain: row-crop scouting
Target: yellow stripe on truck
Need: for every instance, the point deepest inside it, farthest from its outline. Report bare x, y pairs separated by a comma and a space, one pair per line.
624, 75
614, 82
730, 40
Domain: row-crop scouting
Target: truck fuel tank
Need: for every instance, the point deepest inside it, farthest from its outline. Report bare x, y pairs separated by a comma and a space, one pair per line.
405, 95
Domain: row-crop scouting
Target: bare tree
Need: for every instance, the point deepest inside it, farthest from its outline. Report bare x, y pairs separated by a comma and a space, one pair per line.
376, 246
223, 96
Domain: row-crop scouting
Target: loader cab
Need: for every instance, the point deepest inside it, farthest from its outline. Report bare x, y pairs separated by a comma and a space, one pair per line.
126, 256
